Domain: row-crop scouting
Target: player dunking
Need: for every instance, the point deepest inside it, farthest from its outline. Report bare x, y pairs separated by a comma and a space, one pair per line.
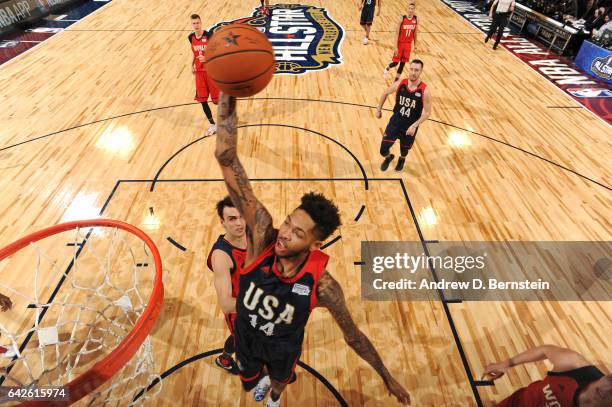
412, 107
367, 8
205, 87
283, 279
228, 252
406, 36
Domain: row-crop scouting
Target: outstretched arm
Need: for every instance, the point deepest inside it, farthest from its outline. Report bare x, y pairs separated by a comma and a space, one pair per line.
330, 296
260, 232
561, 358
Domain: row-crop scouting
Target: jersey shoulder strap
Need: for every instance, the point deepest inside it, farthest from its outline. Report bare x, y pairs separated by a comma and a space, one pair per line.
268, 251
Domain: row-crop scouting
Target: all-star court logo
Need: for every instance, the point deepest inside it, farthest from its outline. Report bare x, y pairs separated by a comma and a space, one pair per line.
602, 67
305, 38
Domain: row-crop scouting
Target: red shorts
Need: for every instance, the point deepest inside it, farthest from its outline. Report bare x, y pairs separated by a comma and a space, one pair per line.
403, 53
205, 87
229, 320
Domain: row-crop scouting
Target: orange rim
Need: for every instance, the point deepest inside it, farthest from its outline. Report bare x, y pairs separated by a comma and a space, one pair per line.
116, 359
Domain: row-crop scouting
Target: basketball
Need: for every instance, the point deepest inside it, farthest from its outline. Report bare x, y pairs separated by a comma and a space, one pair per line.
240, 60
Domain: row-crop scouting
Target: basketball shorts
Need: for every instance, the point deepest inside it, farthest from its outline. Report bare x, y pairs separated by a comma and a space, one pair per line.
393, 132
205, 87
253, 353
402, 54
367, 15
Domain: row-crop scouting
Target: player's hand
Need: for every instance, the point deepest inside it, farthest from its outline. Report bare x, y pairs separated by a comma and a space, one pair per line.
378, 114
201, 58
496, 370
411, 130
5, 303
398, 391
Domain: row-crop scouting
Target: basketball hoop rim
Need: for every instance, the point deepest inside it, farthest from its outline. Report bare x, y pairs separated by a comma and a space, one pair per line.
117, 358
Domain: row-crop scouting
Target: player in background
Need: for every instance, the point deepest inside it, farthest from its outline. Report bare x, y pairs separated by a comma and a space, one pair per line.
205, 87
265, 4
367, 8
284, 277
412, 107
224, 259
406, 41
573, 381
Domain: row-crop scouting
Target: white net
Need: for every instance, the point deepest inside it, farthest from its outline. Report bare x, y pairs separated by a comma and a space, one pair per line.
76, 295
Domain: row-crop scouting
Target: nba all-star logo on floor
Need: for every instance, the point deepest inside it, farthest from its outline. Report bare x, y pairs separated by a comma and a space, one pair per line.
305, 38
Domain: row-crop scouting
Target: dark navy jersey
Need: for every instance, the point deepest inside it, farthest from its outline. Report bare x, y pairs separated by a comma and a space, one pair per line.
369, 3
408, 104
237, 255
274, 308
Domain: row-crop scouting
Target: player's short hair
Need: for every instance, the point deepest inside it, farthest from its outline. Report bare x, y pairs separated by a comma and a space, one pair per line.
417, 61
323, 212
222, 204
195, 17
412, 3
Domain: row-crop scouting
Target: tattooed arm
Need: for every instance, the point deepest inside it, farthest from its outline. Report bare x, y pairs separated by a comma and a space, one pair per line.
330, 296
260, 231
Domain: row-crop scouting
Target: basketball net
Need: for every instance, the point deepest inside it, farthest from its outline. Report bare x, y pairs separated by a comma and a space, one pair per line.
84, 301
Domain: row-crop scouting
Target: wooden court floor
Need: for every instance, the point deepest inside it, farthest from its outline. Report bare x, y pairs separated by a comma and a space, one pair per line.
91, 117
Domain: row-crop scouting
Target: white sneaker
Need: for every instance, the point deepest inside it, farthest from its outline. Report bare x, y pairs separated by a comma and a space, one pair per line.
365, 40
211, 130
386, 73
261, 390
271, 403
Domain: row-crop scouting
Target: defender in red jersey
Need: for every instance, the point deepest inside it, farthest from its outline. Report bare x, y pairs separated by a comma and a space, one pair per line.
412, 107
406, 41
205, 87
264, 7
573, 382
224, 259
283, 279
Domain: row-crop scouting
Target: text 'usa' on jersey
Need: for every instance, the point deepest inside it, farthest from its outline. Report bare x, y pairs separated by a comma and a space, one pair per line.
408, 104
273, 307
198, 47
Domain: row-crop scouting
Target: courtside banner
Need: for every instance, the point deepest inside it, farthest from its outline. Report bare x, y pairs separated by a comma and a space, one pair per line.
595, 60
595, 95
486, 271
17, 12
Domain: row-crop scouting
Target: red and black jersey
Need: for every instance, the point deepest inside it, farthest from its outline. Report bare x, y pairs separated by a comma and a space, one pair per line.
408, 104
198, 47
237, 255
556, 389
407, 29
273, 308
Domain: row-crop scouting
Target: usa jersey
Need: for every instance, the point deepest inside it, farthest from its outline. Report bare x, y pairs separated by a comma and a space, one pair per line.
408, 104
556, 389
198, 47
407, 29
273, 308
237, 255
